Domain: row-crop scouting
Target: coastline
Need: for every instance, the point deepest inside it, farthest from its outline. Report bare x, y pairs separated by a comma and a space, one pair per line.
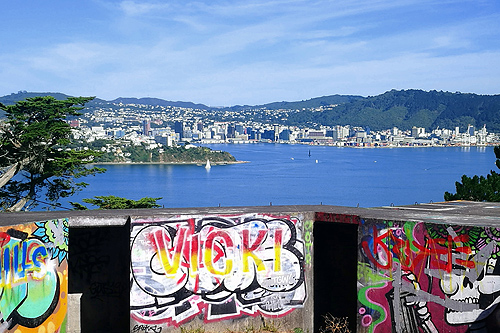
351, 145
171, 163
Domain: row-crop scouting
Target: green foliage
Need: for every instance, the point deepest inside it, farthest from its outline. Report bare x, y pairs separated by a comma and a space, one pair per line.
404, 109
33, 158
312, 103
113, 202
180, 154
478, 188
408, 108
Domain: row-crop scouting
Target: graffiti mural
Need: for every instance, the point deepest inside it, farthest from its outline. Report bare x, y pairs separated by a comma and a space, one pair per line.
220, 267
308, 238
426, 277
33, 277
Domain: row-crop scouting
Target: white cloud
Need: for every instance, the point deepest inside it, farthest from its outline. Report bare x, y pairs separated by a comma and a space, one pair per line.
224, 53
134, 8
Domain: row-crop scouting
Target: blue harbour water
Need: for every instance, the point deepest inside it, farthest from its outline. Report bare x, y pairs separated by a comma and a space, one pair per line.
284, 174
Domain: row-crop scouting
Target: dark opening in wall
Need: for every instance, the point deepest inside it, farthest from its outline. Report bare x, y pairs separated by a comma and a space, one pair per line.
99, 259
335, 272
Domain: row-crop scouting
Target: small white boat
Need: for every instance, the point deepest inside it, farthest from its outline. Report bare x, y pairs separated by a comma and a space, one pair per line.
208, 166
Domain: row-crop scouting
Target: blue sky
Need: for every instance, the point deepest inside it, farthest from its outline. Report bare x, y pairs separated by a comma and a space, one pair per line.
224, 53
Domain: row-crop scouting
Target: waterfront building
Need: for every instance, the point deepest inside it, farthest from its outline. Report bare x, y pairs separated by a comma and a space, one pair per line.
417, 132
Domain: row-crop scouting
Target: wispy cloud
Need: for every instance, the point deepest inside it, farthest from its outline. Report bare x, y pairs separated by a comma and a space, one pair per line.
135, 8
252, 52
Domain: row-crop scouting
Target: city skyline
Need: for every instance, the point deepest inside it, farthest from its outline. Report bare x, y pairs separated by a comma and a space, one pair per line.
229, 53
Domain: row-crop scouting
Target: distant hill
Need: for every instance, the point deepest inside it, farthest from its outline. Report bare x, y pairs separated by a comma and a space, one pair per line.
21, 95
160, 102
299, 105
407, 108
396, 108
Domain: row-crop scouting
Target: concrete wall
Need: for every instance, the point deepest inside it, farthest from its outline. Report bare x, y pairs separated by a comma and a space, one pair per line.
423, 268
34, 277
427, 277
225, 272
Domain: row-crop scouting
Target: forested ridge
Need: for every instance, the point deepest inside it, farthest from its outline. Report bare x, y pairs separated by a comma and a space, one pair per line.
396, 108
407, 108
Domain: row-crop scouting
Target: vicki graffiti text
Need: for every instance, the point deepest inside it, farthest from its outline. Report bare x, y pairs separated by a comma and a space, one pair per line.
223, 267
206, 253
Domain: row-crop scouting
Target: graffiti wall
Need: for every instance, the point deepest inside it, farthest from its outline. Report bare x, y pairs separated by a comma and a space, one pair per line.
34, 277
215, 268
426, 277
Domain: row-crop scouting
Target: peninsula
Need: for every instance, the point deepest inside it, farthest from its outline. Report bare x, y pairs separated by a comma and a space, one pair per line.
113, 153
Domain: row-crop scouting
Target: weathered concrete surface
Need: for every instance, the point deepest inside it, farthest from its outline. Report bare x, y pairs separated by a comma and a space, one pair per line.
222, 295
99, 234
460, 212
74, 323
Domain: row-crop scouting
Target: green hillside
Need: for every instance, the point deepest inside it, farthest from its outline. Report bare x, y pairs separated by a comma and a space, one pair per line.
22, 95
401, 108
407, 108
299, 105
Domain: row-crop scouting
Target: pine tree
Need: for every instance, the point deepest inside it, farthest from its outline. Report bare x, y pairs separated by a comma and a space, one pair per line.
34, 161
478, 188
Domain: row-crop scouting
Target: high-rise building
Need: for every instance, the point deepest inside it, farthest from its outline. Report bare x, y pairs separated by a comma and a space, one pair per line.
239, 129
417, 132
470, 130
231, 132
285, 135
276, 132
179, 129
146, 127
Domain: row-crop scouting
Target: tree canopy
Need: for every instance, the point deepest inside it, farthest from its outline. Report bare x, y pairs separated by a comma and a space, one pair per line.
407, 108
34, 161
113, 202
478, 188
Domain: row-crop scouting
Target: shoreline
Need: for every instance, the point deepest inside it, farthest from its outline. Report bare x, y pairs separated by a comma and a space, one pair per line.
364, 146
423, 146
170, 163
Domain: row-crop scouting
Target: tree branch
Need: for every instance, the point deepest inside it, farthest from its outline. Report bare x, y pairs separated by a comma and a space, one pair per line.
21, 203
13, 170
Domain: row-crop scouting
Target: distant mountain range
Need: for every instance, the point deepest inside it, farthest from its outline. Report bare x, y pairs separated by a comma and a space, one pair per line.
396, 108
160, 102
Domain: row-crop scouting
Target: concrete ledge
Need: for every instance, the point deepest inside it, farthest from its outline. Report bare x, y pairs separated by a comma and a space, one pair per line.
456, 212
74, 313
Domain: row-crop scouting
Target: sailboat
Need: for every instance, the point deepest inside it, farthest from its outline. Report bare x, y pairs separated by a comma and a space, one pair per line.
309, 152
208, 166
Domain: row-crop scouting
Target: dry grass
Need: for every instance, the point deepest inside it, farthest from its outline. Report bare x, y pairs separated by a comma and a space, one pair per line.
269, 327
335, 325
